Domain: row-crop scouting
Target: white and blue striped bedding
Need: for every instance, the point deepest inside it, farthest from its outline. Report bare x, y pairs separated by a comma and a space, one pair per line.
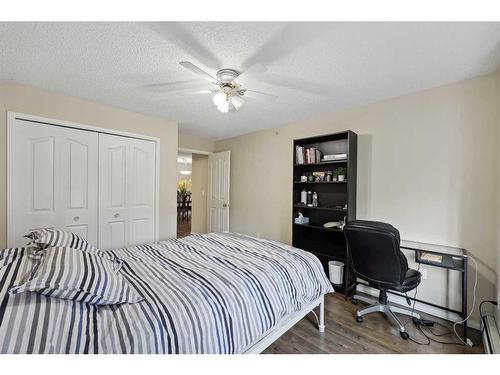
213, 293
68, 273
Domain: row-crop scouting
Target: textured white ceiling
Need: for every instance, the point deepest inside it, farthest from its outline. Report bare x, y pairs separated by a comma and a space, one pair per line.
313, 67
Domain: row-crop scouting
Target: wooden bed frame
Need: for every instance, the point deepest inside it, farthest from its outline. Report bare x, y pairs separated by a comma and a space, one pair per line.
274, 334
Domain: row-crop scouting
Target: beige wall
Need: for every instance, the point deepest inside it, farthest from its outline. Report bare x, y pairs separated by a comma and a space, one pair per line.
33, 101
498, 209
427, 163
199, 194
191, 142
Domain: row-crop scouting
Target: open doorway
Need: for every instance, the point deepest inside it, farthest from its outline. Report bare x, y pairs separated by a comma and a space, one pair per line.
192, 176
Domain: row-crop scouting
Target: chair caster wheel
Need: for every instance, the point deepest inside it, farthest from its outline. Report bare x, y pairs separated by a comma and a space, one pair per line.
404, 335
359, 319
354, 301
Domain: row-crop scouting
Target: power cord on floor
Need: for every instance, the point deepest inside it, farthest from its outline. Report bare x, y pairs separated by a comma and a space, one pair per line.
414, 300
428, 324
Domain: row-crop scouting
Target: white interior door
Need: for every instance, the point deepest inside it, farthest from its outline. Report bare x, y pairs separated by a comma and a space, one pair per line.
113, 191
53, 180
218, 191
79, 173
127, 191
142, 191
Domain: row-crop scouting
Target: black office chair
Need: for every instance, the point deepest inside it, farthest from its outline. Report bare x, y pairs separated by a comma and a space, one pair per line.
376, 258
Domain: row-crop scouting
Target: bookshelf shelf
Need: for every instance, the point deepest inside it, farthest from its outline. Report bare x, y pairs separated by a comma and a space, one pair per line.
299, 206
321, 163
320, 182
317, 227
326, 243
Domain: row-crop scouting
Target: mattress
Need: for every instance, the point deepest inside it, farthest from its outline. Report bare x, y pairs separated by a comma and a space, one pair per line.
214, 293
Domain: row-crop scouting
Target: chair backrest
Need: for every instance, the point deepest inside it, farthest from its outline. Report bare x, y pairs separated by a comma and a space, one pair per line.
375, 254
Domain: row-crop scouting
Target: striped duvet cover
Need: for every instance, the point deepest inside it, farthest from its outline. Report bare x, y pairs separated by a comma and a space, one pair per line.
212, 293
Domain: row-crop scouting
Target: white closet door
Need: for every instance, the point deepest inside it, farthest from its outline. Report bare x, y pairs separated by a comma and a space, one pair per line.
79, 172
113, 191
53, 180
142, 191
127, 189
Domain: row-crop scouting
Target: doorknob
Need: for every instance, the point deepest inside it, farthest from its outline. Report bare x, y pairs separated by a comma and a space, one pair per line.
225, 205
76, 218
116, 215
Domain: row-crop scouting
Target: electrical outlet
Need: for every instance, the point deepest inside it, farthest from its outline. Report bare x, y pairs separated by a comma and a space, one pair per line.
423, 271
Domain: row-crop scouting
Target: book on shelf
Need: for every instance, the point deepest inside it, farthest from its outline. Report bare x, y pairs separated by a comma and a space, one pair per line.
335, 157
299, 155
307, 155
319, 155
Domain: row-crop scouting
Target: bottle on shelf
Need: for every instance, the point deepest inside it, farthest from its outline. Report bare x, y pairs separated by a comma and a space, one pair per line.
303, 197
309, 198
315, 199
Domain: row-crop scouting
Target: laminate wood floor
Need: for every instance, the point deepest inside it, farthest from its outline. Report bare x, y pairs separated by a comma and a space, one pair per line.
183, 227
375, 335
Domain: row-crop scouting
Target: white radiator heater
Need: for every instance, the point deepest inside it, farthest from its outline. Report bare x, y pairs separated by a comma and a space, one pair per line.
491, 334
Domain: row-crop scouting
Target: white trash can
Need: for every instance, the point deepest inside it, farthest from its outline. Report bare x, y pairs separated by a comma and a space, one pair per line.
336, 271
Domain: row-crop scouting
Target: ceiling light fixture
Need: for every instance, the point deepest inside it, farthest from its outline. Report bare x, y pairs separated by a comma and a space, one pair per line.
237, 102
185, 171
219, 98
224, 106
224, 100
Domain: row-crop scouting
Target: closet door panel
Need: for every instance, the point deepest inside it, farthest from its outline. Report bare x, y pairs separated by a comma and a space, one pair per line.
117, 233
142, 184
79, 174
53, 180
33, 181
41, 168
99, 186
114, 226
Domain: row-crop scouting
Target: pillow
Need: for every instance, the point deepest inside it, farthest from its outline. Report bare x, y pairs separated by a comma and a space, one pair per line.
8, 255
55, 237
77, 275
49, 237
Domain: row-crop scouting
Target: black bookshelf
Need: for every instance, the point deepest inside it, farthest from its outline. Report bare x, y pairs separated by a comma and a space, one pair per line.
326, 243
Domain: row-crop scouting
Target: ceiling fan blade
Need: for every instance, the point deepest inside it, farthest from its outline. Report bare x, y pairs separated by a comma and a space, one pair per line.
299, 84
190, 66
182, 35
259, 95
252, 71
177, 86
291, 37
195, 92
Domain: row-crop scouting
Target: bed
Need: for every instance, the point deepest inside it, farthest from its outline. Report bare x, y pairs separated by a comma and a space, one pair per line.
217, 293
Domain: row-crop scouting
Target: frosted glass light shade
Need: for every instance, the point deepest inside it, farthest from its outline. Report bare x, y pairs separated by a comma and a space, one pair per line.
224, 106
219, 98
238, 102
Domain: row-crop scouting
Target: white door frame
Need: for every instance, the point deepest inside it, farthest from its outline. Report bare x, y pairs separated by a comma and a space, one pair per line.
198, 152
13, 116
192, 151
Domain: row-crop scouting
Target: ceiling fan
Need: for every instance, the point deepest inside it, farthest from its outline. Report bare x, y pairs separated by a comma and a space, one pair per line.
229, 94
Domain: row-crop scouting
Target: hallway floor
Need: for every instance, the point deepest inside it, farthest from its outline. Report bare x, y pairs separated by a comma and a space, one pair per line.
183, 227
